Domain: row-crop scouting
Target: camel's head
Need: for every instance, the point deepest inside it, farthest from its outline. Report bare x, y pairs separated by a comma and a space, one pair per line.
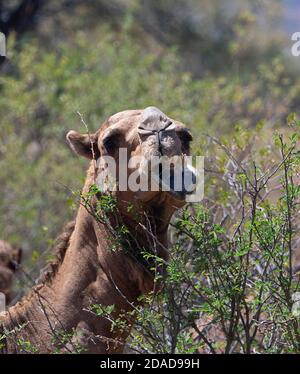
10, 258
140, 143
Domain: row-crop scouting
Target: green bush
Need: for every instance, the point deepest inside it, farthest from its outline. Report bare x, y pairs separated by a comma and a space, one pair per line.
230, 285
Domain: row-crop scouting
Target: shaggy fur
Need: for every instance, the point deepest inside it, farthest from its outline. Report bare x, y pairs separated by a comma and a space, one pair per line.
10, 258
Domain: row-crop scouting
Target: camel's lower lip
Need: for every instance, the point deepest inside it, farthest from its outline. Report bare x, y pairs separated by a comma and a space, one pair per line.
179, 195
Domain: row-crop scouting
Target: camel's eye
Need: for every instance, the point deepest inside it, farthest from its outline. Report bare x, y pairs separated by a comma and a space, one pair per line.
109, 144
185, 137
111, 141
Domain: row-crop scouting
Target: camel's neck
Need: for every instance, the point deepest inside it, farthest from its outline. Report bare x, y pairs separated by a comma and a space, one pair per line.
92, 272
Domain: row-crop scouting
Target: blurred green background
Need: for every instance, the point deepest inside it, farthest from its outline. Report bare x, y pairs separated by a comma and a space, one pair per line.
214, 65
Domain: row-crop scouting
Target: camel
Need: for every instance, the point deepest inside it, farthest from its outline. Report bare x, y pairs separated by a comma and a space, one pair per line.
92, 267
10, 258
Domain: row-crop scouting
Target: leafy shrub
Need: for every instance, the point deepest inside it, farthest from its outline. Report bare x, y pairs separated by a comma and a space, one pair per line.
231, 285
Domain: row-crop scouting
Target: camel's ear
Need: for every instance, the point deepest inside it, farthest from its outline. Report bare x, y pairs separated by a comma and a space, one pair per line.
18, 253
84, 144
185, 137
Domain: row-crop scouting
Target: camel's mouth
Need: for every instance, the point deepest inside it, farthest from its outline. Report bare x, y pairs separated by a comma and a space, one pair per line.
178, 195
162, 177
178, 184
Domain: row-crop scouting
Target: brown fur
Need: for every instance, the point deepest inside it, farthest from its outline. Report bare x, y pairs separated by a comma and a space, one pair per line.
88, 270
10, 258
59, 251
